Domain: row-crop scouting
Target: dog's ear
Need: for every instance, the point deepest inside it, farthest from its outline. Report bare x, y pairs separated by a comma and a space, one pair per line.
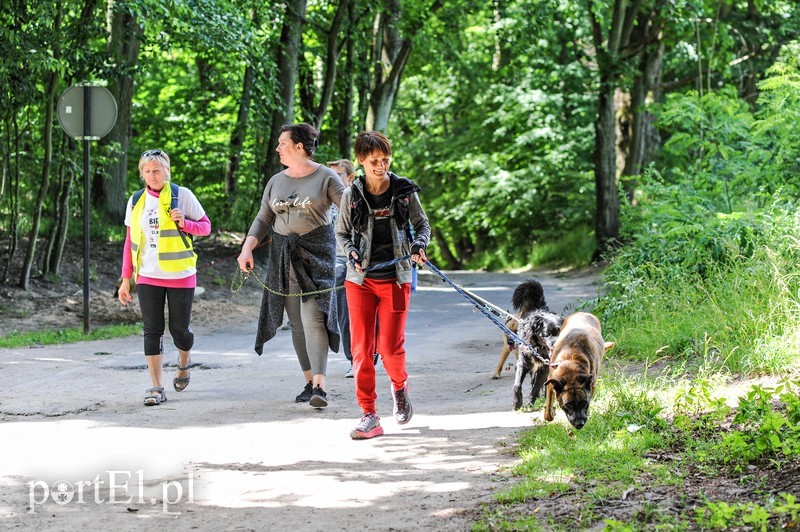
586, 380
609, 345
557, 385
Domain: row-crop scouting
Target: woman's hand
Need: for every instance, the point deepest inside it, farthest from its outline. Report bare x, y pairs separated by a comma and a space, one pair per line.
355, 260
245, 260
178, 217
124, 292
419, 257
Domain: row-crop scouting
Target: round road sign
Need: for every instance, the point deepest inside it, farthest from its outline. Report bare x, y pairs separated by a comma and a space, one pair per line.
102, 111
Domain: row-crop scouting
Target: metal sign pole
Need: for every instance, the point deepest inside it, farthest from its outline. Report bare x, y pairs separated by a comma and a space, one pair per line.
87, 115
75, 114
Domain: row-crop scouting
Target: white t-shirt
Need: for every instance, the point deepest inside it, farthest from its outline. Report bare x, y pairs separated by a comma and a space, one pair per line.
148, 251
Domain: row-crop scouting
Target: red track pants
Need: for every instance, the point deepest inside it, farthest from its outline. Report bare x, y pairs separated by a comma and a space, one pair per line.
387, 302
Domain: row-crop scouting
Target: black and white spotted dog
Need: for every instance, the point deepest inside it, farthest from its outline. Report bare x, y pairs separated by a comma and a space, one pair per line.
538, 326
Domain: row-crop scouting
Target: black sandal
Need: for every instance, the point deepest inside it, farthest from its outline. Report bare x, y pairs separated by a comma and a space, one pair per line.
155, 396
180, 383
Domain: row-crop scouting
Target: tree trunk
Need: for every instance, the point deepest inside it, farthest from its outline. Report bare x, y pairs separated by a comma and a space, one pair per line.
390, 53
465, 248
345, 129
363, 82
331, 60
642, 130
57, 237
14, 232
60, 231
605, 168
237, 139
50, 238
6, 159
47, 139
123, 45
605, 165
451, 262
286, 72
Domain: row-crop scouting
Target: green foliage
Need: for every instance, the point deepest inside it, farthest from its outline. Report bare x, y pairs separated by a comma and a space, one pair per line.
710, 143
629, 425
722, 287
695, 411
708, 272
494, 118
762, 429
498, 145
601, 461
717, 146
777, 513
776, 123
635, 403
572, 248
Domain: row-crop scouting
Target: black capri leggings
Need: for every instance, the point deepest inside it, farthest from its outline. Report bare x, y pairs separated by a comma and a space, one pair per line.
151, 300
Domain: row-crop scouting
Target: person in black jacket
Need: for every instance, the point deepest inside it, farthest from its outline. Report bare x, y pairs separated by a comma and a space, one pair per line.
374, 227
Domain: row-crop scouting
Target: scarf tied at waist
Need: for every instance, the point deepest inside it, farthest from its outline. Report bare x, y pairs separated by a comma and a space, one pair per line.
312, 256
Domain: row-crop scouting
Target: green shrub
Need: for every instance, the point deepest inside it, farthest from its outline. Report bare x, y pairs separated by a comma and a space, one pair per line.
718, 290
762, 429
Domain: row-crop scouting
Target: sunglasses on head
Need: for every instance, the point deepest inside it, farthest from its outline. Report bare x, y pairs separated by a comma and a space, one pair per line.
153, 153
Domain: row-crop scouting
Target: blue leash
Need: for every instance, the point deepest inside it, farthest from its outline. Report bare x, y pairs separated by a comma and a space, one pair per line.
386, 264
517, 340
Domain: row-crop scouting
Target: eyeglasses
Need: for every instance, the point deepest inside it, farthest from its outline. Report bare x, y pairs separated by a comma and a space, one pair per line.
341, 174
153, 153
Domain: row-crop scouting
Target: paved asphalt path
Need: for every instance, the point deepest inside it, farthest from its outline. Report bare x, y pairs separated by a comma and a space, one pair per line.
234, 452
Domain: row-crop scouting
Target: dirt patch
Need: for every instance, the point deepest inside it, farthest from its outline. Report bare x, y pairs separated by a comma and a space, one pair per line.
57, 301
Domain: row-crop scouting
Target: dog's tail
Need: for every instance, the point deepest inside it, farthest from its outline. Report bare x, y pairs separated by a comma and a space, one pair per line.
529, 295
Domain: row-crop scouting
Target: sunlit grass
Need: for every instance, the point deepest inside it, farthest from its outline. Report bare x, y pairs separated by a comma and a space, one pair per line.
66, 336
572, 249
633, 419
744, 318
601, 462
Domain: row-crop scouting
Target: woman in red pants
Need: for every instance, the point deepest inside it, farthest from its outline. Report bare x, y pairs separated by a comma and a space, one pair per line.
377, 215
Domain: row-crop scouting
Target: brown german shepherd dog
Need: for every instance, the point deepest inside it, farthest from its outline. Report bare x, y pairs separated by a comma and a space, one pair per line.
574, 366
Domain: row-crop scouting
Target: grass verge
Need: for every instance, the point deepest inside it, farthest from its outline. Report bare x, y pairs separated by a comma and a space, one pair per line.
66, 336
660, 455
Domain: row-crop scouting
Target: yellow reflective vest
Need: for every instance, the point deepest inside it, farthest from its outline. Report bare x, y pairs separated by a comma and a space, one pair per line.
175, 252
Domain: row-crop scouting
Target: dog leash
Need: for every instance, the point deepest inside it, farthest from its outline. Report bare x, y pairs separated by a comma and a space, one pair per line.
517, 340
494, 309
240, 277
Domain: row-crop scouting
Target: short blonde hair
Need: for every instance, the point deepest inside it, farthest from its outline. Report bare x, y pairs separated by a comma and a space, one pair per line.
346, 164
160, 156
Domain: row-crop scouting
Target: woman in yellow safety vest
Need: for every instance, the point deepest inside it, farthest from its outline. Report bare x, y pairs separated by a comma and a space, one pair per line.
159, 255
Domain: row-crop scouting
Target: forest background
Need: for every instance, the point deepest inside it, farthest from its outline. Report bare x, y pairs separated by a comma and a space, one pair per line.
657, 135
527, 122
